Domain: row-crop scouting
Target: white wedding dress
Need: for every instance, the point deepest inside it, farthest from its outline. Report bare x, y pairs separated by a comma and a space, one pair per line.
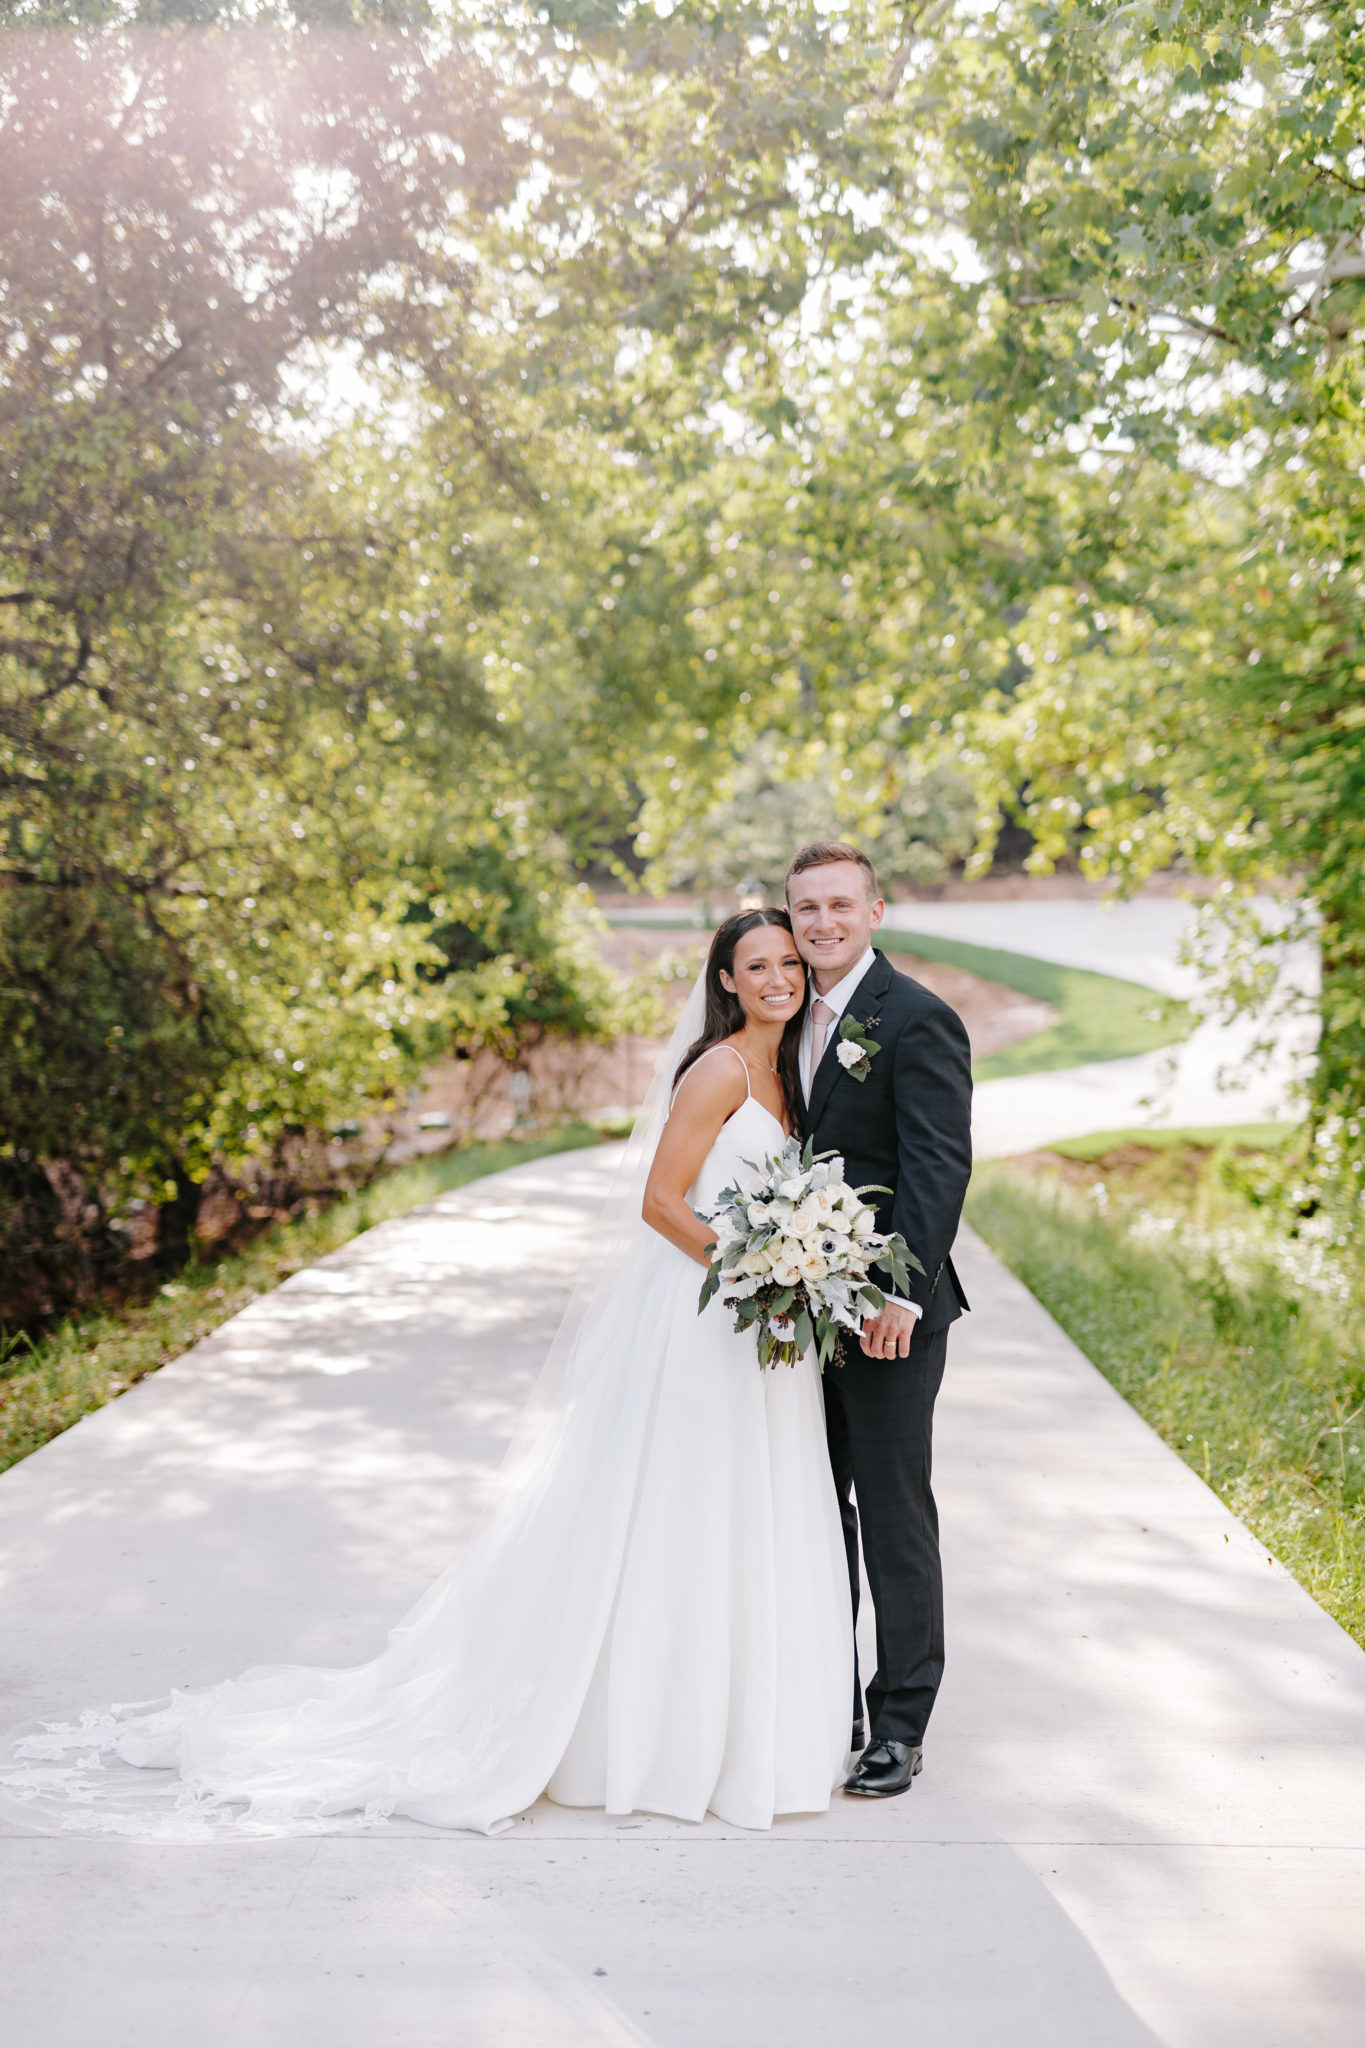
655, 1618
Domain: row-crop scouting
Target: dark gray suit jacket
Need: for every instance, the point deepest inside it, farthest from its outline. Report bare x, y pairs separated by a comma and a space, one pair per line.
908, 1125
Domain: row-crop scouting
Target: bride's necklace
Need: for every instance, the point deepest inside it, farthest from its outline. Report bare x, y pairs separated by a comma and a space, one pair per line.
758, 1063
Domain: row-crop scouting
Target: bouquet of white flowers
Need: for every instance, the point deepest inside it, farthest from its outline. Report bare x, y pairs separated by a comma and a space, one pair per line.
793, 1250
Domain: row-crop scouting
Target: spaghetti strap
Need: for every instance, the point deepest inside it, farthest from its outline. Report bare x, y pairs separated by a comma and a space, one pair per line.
748, 1085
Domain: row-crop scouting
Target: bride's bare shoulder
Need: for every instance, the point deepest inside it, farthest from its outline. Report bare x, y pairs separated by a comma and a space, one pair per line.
713, 1086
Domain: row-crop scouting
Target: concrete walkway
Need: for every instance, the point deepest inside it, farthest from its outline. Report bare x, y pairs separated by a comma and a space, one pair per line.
1142, 1818
1212, 1079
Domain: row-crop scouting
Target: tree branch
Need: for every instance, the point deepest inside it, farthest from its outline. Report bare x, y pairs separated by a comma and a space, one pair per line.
916, 31
31, 651
886, 91
1188, 321
85, 647
29, 878
146, 886
701, 191
1337, 266
168, 362
1185, 320
1339, 177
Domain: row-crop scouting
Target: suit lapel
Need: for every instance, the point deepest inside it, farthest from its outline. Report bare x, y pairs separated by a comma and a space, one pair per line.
861, 1004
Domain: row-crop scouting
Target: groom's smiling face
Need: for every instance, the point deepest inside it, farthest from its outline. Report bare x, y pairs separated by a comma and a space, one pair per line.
833, 919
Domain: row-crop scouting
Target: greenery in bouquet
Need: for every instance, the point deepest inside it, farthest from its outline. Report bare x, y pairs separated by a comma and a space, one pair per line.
794, 1249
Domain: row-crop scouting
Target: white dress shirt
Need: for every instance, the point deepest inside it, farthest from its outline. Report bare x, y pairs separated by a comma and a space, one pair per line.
838, 1000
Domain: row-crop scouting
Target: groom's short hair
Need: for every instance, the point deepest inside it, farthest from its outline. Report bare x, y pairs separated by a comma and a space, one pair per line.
822, 853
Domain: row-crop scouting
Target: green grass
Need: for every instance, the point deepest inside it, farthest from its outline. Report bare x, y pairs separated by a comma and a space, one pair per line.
1240, 1137
1102, 1017
92, 1358
1233, 1329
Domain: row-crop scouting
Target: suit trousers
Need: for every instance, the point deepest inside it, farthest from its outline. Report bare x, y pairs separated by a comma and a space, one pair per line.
879, 1414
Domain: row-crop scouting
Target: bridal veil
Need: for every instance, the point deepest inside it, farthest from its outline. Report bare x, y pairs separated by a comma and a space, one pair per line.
463, 1716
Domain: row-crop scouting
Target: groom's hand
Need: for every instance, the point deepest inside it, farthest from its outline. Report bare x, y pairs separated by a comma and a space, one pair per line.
888, 1335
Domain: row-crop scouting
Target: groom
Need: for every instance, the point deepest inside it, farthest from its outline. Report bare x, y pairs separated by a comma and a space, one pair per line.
907, 1125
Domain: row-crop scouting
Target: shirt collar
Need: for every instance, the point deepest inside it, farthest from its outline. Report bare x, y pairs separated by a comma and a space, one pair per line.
841, 994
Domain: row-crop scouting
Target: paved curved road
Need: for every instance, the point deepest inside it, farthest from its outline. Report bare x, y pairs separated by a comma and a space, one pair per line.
1142, 1819
1136, 941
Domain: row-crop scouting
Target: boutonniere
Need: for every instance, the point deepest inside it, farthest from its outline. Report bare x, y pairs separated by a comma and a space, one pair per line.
856, 1049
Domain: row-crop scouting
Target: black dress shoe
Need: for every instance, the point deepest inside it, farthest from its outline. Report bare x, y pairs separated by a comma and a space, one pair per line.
858, 1739
885, 1769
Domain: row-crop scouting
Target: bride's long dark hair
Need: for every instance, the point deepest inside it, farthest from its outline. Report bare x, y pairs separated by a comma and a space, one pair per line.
725, 1015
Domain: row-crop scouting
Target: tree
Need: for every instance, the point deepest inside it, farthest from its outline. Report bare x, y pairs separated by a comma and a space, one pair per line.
776, 412
746, 842
1061, 460
1169, 212
253, 866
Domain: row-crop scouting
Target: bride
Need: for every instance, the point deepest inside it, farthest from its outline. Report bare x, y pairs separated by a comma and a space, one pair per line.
655, 1617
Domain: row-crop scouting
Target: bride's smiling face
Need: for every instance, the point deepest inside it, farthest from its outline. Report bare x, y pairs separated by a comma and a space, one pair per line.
767, 975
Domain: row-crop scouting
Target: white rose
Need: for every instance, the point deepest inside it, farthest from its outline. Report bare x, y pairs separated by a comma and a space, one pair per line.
864, 1223
786, 1272
813, 1267
824, 1204
793, 1189
805, 1221
759, 1212
848, 1052
756, 1262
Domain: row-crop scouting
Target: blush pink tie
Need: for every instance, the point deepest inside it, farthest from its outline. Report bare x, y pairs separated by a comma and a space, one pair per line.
821, 1017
